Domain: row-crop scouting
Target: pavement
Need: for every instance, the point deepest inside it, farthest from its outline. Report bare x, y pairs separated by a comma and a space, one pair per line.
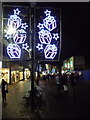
56, 104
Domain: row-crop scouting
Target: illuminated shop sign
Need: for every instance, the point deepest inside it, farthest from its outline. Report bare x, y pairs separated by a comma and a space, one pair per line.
48, 44
16, 31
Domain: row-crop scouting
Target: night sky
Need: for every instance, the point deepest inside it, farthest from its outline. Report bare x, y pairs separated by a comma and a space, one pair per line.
74, 28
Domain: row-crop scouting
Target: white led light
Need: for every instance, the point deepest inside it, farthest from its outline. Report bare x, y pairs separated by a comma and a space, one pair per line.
13, 51
50, 51
47, 12
45, 36
16, 31
40, 26
24, 25
55, 36
14, 21
7, 36
16, 12
25, 46
50, 23
39, 46
19, 37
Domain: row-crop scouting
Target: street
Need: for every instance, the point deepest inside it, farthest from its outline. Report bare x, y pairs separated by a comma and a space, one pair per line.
57, 104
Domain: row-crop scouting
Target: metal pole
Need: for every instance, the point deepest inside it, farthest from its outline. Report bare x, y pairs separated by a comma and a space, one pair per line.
33, 60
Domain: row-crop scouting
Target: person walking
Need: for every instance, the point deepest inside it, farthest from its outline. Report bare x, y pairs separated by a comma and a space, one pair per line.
65, 82
4, 90
73, 84
58, 81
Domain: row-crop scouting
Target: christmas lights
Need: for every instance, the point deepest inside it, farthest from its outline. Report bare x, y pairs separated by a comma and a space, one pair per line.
16, 32
13, 51
46, 37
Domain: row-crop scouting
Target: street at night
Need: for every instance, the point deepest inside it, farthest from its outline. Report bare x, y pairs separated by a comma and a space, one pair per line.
57, 104
44, 60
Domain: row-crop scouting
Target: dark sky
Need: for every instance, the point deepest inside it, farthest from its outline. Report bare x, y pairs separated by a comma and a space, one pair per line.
74, 27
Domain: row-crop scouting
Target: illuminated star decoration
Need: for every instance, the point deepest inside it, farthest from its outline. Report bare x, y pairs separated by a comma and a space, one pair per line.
7, 36
16, 12
39, 46
25, 46
24, 25
56, 36
40, 26
47, 12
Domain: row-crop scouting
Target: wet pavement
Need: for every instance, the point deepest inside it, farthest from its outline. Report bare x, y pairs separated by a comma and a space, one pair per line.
56, 104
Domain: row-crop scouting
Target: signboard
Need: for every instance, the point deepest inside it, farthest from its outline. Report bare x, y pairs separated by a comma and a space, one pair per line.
15, 32
47, 34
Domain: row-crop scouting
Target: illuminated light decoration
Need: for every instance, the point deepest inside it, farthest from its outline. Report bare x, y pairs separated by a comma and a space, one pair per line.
50, 51
14, 21
19, 37
24, 25
13, 51
50, 23
40, 26
16, 12
47, 12
55, 36
7, 36
25, 46
45, 37
16, 31
39, 46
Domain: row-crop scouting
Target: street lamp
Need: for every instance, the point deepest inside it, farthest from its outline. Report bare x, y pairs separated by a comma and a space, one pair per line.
10, 30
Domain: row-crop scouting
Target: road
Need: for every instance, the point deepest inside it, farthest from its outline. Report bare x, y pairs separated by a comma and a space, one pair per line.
57, 104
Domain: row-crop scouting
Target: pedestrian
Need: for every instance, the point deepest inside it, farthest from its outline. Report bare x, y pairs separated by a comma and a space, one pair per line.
65, 82
76, 77
58, 81
38, 79
48, 76
73, 83
4, 90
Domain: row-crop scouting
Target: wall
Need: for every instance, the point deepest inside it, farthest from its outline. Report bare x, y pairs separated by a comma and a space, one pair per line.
86, 74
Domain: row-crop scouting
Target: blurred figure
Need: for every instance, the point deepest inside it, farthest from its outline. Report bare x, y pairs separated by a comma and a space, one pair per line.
48, 76
73, 83
65, 82
4, 90
76, 77
38, 79
58, 81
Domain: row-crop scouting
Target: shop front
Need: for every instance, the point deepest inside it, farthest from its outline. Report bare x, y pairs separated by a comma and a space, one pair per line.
5, 74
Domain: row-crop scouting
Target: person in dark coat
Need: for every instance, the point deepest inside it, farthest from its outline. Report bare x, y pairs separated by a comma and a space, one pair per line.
65, 82
4, 91
73, 84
